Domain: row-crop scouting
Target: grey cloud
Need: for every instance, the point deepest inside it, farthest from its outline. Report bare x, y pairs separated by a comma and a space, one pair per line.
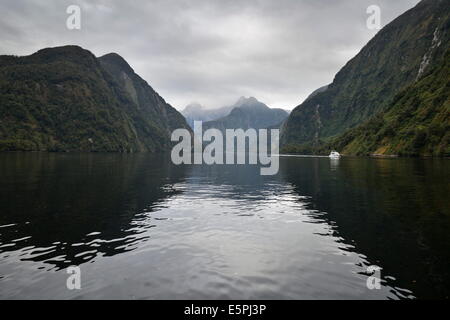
210, 51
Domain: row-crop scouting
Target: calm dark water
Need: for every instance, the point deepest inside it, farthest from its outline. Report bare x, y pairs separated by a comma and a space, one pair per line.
139, 227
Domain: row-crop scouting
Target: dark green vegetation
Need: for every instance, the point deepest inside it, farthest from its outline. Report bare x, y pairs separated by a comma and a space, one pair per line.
249, 113
66, 99
417, 122
392, 98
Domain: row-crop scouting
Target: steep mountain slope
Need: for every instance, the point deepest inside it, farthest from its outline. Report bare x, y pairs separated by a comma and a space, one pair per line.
399, 55
249, 113
151, 105
65, 99
196, 112
417, 123
316, 92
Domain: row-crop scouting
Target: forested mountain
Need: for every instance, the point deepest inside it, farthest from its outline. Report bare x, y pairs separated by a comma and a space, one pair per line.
392, 77
66, 99
416, 123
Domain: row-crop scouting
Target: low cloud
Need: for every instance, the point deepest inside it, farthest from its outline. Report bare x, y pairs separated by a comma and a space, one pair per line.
209, 51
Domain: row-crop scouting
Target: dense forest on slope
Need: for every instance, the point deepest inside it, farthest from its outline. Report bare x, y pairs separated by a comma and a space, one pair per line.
397, 57
66, 99
417, 123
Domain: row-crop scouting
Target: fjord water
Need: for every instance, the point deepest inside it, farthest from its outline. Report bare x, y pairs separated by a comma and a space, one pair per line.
140, 227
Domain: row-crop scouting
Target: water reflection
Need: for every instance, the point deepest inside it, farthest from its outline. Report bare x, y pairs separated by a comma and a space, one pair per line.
395, 211
334, 163
67, 209
142, 228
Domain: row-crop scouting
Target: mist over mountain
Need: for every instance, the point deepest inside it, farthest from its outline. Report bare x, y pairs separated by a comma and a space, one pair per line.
196, 112
249, 113
66, 99
383, 81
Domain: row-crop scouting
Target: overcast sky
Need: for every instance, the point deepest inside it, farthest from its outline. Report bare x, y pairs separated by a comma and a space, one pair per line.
208, 51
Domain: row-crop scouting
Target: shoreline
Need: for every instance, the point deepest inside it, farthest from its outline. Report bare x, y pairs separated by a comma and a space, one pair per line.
286, 155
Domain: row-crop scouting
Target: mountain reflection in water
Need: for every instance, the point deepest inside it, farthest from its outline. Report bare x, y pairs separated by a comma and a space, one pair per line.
140, 227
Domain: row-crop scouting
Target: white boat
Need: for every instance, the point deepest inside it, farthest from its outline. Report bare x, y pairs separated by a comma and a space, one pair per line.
334, 155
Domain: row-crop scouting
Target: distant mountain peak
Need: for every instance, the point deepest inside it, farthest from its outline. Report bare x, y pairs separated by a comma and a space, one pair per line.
250, 103
249, 113
196, 112
246, 101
